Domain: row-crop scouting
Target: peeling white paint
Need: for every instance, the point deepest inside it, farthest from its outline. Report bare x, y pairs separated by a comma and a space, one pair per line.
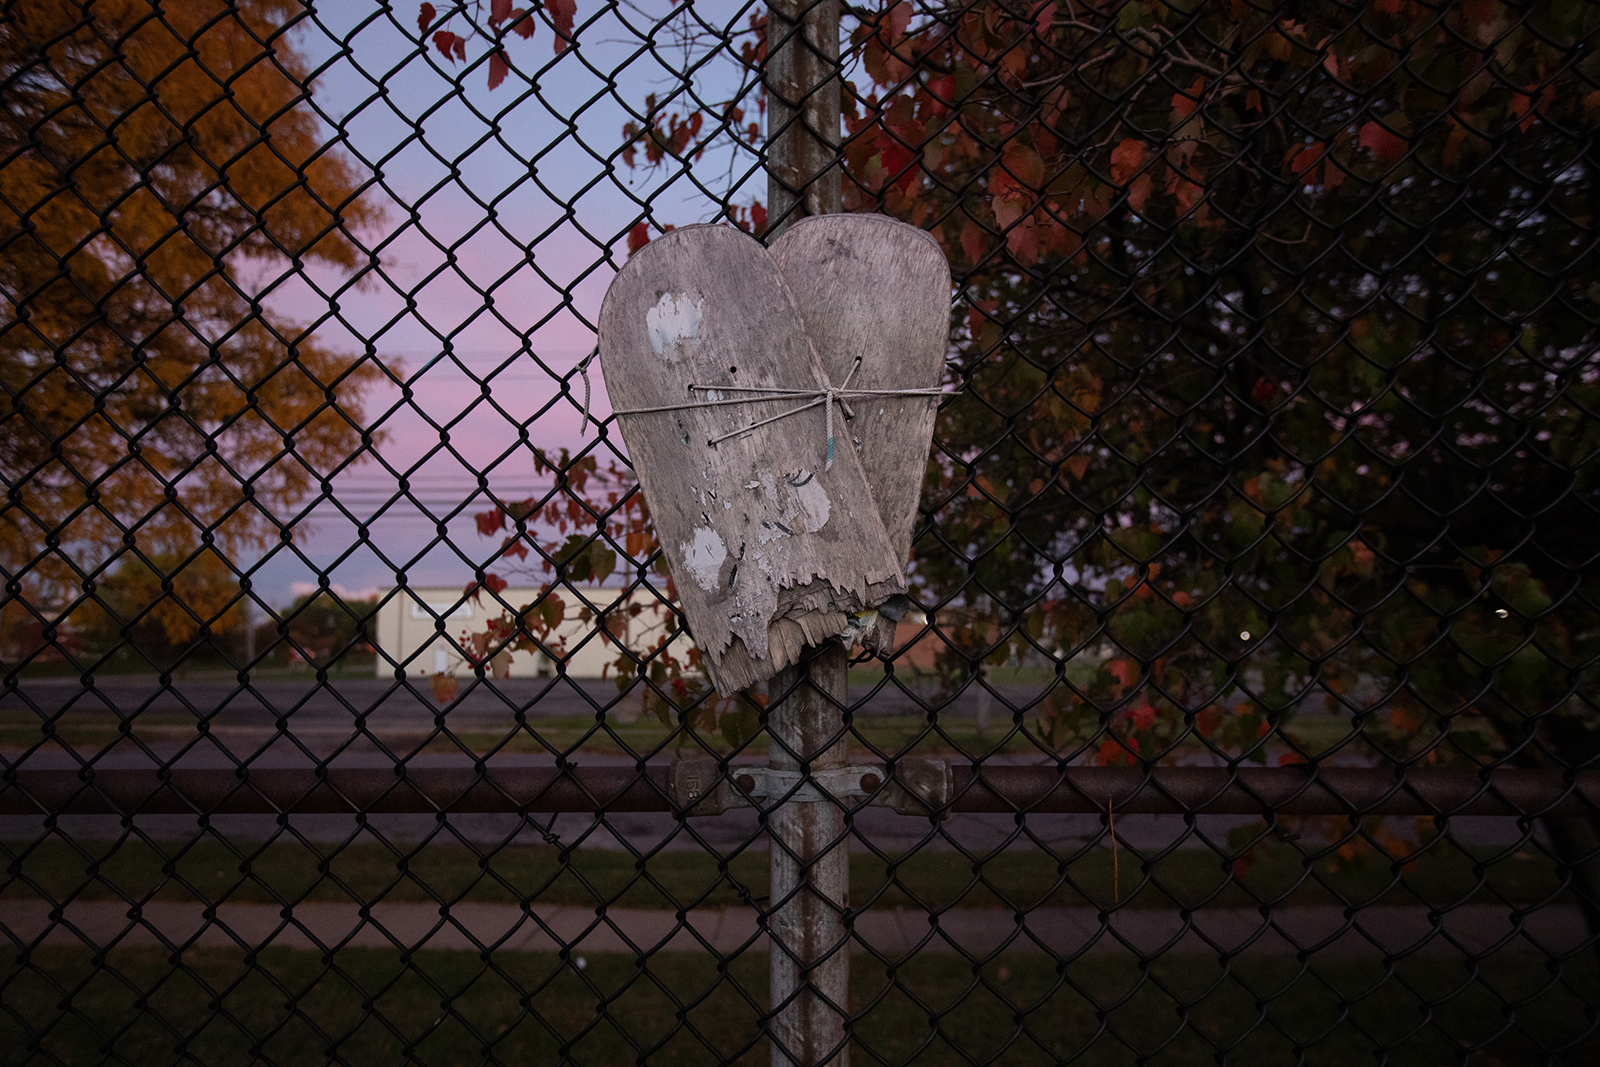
674, 321
811, 504
704, 556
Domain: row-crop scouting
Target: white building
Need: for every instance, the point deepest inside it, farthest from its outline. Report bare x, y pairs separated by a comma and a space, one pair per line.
408, 631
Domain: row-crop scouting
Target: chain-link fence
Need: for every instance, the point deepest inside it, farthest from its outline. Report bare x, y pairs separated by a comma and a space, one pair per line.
1247, 712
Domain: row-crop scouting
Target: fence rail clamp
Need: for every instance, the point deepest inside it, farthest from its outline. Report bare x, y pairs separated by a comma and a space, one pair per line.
917, 786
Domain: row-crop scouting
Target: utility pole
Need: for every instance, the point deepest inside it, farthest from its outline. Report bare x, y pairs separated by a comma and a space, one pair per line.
810, 854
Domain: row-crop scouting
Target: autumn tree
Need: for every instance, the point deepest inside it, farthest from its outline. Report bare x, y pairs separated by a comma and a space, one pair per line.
152, 404
1276, 339
1278, 345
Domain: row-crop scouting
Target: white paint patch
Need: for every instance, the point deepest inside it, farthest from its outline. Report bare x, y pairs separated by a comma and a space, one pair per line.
811, 504
674, 321
704, 556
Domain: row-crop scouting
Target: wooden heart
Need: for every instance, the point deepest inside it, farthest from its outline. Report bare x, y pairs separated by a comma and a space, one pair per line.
771, 547
876, 289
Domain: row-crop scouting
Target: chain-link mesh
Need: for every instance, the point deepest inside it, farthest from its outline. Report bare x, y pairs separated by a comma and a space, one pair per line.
344, 684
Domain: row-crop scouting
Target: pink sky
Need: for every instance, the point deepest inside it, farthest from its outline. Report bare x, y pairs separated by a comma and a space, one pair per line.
494, 300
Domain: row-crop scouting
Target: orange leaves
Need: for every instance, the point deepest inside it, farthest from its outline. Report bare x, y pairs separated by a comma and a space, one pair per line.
1125, 672
1113, 752
1385, 145
1142, 715
1307, 157
1044, 17
1126, 159
974, 242
1405, 720
897, 19
1024, 165
1185, 102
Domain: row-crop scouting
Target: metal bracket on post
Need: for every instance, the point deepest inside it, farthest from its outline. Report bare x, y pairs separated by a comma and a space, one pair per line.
917, 787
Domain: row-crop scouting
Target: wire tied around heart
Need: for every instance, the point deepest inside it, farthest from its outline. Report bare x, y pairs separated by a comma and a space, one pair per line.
840, 394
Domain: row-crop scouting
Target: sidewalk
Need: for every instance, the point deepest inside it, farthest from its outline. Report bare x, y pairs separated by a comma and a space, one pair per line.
1467, 930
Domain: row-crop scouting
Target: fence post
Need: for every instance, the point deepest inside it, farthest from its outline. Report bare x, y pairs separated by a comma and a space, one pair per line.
810, 854
810, 871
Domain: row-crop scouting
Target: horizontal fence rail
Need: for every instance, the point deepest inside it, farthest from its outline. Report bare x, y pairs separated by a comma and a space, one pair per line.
1351, 791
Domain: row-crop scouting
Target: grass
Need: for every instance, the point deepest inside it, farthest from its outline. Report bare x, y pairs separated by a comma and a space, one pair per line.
213, 871
371, 1007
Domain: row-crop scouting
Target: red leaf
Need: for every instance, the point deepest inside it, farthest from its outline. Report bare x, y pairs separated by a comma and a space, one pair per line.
425, 18
561, 12
1044, 18
758, 217
1125, 159
1262, 391
1184, 103
898, 19
1307, 157
498, 67
494, 583
638, 237
1126, 672
1385, 145
1024, 165
1142, 715
1139, 191
445, 42
974, 241
490, 521
524, 25
499, 11
1113, 752
1290, 758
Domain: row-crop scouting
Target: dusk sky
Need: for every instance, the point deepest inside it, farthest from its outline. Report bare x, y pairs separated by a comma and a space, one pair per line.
527, 176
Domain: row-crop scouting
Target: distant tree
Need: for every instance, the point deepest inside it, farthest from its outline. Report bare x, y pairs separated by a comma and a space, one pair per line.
152, 156
324, 627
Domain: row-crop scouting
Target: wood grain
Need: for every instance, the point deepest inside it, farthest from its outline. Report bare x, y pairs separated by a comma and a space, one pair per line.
769, 551
873, 287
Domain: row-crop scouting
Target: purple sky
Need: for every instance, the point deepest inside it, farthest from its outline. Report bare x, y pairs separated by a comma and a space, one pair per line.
491, 303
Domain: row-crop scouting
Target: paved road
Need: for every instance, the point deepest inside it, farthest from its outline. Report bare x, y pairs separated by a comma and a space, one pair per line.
1475, 929
384, 701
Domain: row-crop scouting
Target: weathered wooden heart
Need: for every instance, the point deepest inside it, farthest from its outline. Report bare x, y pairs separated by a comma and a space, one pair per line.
875, 296
770, 529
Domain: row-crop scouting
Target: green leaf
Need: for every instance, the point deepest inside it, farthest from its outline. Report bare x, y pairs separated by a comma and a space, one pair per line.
740, 725
602, 562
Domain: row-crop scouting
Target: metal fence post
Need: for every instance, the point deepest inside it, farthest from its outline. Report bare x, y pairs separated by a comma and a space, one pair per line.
810, 854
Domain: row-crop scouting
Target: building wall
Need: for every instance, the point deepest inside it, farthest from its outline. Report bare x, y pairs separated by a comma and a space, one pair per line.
408, 633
